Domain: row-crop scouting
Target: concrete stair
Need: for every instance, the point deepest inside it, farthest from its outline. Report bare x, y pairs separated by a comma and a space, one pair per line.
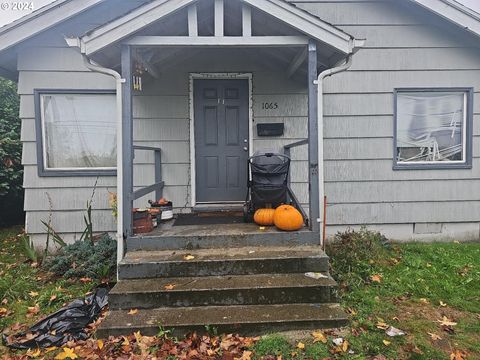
249, 290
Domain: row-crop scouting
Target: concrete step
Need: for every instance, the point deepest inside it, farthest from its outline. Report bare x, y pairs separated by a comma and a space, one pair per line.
221, 290
218, 262
242, 319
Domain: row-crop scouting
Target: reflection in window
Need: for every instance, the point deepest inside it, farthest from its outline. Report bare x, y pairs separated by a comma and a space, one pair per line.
79, 131
431, 126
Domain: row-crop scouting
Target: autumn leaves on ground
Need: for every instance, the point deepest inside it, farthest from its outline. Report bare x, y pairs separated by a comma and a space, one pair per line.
428, 295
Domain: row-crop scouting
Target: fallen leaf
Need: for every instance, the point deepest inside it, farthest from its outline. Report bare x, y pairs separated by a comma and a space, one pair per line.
3, 312
66, 354
458, 355
169, 286
376, 278
100, 344
301, 345
5, 301
53, 297
393, 331
434, 337
318, 336
50, 349
442, 304
33, 293
382, 325
189, 257
133, 311
34, 354
85, 280
446, 322
33, 310
424, 301
345, 346
386, 342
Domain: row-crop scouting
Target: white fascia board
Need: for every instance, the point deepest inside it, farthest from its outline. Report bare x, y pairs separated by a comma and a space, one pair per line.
306, 23
46, 17
130, 23
454, 12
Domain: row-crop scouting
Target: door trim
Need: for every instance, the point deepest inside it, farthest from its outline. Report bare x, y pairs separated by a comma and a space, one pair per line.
215, 76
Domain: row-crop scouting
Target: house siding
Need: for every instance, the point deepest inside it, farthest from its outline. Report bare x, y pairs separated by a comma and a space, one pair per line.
405, 47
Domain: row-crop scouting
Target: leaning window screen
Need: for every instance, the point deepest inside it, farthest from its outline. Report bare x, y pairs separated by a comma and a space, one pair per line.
431, 127
79, 131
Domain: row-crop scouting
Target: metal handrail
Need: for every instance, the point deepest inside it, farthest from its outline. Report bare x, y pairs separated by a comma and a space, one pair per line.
159, 184
293, 198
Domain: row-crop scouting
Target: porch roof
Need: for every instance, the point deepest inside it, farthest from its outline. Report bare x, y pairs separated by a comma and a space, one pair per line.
144, 16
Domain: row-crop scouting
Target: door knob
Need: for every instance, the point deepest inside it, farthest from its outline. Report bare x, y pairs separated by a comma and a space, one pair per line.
245, 148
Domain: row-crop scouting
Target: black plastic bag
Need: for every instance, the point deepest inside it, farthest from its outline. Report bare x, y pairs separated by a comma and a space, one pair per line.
66, 324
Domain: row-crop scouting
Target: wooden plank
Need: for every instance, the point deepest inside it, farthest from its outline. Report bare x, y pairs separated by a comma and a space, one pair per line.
365, 13
246, 20
398, 213
381, 170
295, 105
412, 36
218, 10
236, 41
402, 191
161, 129
50, 59
173, 174
29, 80
386, 81
417, 59
192, 20
160, 107
298, 153
148, 190
70, 221
173, 152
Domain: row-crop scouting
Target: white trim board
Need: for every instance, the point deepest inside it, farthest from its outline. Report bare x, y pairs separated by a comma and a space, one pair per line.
215, 76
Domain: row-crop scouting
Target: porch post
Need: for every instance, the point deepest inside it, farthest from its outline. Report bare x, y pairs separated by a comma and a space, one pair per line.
314, 205
127, 141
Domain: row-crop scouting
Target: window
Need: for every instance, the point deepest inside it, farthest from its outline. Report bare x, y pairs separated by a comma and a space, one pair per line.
76, 132
433, 128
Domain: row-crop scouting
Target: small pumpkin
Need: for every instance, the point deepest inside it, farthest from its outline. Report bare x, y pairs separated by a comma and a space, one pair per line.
287, 218
264, 217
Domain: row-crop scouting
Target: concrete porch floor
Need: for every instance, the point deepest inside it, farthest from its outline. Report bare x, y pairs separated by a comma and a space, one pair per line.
167, 236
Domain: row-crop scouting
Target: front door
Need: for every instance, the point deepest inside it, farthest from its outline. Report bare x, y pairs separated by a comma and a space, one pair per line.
221, 140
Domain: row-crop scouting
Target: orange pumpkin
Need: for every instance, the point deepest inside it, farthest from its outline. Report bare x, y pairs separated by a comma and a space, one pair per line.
264, 217
287, 218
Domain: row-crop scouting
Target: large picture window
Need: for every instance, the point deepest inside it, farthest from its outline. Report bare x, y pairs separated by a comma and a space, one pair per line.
77, 132
432, 128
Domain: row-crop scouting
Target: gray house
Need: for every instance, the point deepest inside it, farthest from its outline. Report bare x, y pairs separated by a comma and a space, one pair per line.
376, 102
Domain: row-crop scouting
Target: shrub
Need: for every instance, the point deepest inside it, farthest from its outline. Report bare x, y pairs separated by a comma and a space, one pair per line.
85, 259
353, 255
11, 170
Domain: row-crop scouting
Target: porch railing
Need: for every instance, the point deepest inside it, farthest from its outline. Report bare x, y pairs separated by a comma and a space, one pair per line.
287, 151
159, 183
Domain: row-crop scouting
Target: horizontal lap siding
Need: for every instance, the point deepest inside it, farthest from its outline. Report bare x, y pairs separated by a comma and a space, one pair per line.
58, 68
404, 48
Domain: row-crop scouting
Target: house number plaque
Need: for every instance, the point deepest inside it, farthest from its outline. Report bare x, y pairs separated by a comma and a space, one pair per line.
269, 105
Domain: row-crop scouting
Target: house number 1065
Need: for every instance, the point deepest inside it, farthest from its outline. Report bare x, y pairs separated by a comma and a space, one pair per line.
269, 106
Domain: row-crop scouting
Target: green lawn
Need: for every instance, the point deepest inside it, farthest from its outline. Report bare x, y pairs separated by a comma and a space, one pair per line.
416, 286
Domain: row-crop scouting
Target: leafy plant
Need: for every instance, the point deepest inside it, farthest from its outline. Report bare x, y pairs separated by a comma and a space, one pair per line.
85, 259
11, 170
28, 248
354, 253
87, 234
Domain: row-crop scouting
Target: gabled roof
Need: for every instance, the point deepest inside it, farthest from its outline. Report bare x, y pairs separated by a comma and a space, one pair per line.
147, 14
454, 12
42, 19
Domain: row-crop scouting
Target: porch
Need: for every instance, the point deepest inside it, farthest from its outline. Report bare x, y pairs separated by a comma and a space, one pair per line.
204, 85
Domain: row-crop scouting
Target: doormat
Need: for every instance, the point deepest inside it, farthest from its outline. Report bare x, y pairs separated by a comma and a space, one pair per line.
195, 219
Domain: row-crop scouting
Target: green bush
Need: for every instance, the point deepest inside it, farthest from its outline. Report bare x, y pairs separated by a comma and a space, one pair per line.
85, 259
353, 255
11, 170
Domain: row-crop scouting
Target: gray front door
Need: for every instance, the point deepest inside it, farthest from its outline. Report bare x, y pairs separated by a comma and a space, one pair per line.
221, 139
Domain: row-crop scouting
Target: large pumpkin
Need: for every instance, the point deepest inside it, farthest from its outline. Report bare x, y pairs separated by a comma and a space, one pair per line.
264, 217
287, 218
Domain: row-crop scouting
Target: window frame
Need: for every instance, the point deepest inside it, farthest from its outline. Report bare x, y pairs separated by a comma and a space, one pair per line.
468, 128
42, 169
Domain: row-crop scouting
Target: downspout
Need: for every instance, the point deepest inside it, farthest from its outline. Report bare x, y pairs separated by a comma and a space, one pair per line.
76, 43
321, 174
